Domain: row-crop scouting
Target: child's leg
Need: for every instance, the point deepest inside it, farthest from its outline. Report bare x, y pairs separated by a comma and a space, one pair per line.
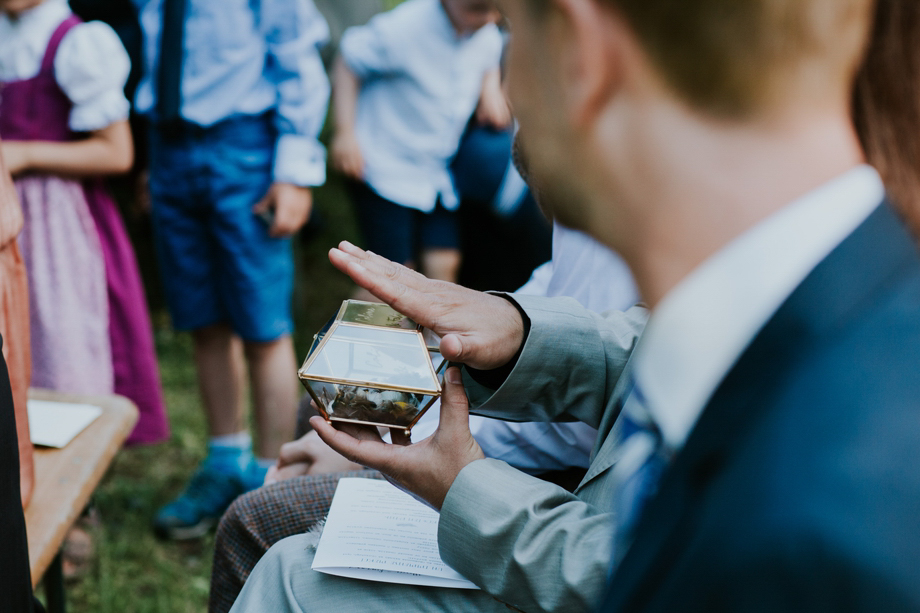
275, 391
219, 362
440, 244
441, 264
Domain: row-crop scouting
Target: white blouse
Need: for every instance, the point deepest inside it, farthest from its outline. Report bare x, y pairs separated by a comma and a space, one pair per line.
91, 65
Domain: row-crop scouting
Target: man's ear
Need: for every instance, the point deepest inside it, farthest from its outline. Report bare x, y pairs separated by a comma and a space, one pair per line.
592, 56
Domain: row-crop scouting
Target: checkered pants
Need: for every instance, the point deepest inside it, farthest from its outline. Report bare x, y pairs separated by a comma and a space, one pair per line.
261, 518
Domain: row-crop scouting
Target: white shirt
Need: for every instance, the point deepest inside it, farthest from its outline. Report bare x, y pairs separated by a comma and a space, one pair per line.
245, 58
585, 270
705, 323
420, 84
91, 65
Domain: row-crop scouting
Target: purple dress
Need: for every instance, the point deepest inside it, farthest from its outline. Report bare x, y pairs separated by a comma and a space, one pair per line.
91, 331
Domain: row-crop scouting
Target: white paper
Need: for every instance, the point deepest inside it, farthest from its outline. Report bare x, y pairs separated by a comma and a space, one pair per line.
54, 424
376, 532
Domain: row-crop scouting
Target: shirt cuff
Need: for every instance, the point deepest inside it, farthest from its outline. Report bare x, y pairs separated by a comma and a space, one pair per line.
299, 160
493, 379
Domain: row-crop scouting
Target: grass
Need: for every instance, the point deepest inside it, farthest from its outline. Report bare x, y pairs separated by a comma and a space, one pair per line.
132, 571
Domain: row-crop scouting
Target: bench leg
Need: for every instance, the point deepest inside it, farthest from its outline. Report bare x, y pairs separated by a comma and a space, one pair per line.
54, 586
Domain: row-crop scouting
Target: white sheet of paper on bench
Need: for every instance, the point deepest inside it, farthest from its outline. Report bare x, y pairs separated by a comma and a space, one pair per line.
376, 532
54, 424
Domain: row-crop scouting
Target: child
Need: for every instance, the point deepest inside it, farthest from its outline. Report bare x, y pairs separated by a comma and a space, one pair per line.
406, 85
236, 94
63, 121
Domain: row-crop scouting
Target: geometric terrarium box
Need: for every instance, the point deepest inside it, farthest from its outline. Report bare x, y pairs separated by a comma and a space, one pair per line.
371, 365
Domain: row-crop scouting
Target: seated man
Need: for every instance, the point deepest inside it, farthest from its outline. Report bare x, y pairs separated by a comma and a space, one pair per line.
309, 470
759, 454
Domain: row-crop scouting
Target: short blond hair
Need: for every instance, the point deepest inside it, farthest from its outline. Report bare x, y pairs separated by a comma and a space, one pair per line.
727, 57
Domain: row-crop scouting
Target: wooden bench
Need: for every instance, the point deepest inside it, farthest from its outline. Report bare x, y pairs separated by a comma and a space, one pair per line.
64, 481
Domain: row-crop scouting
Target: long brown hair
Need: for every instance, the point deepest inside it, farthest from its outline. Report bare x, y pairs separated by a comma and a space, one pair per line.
886, 102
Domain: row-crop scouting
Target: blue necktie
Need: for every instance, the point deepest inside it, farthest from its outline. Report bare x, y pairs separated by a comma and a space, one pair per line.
169, 73
643, 460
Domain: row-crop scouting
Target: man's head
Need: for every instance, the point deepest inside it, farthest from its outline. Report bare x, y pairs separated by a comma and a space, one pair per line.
591, 80
467, 16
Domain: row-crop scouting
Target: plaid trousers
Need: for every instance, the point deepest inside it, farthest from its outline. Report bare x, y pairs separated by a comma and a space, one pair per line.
259, 519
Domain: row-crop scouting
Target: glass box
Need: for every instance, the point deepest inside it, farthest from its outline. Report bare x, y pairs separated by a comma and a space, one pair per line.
371, 365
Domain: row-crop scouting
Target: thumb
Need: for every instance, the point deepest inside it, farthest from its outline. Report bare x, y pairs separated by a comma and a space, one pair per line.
453, 348
455, 407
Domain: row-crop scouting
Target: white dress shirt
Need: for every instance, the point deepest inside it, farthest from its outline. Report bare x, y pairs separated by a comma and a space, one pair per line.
245, 58
420, 84
91, 65
701, 328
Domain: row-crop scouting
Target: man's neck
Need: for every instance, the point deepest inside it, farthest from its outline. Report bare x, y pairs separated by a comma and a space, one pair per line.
706, 185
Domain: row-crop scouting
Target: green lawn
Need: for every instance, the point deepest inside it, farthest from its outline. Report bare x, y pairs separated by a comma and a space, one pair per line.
132, 571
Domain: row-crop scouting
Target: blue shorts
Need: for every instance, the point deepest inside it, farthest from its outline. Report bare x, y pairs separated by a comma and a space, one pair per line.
217, 262
399, 233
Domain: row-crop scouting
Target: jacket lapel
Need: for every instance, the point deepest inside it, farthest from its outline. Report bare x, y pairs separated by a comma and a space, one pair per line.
876, 255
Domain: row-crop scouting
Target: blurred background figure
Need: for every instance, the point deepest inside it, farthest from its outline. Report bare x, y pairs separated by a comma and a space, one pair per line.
503, 234
406, 85
236, 95
64, 117
16, 466
14, 325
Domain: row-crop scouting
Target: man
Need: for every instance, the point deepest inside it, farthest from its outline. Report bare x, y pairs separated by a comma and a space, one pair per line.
300, 489
236, 94
762, 459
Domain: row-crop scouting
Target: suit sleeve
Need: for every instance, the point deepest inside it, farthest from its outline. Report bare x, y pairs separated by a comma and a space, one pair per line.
569, 366
527, 542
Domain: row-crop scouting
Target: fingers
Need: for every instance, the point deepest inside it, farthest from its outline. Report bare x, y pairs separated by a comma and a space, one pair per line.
295, 451
384, 267
395, 286
289, 472
263, 205
368, 450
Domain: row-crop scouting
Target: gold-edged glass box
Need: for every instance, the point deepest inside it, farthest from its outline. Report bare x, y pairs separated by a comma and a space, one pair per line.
371, 365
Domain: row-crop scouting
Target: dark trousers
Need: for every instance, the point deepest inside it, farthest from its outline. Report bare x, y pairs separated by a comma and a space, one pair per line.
15, 580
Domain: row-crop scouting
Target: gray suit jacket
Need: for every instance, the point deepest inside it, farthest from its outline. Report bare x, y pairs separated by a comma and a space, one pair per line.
528, 542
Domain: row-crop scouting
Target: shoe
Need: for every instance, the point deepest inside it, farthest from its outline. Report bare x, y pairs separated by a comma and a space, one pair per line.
199, 507
254, 476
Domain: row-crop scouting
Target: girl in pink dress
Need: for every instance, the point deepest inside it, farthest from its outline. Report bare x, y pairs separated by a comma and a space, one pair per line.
63, 120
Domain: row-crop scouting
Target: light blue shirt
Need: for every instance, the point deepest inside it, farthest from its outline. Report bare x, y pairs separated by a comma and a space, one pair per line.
421, 83
245, 57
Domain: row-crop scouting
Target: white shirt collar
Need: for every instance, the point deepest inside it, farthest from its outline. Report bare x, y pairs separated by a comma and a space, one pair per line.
705, 323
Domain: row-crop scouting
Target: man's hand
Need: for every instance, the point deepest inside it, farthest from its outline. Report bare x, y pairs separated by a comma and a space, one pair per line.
288, 206
426, 469
308, 455
346, 155
477, 329
15, 156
